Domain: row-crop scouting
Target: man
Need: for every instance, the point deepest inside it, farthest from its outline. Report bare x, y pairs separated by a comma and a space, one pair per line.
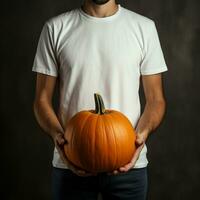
99, 47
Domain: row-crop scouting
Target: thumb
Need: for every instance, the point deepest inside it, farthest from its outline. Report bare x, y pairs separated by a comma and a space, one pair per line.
61, 140
139, 140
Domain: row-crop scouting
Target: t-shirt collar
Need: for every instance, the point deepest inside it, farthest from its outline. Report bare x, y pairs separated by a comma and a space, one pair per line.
108, 18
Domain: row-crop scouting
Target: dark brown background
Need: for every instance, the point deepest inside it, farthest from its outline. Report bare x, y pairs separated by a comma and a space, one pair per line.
173, 150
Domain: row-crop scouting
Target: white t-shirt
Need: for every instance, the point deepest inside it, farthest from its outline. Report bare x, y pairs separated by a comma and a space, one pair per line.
99, 54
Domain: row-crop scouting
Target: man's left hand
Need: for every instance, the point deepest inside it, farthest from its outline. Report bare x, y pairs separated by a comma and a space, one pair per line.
139, 142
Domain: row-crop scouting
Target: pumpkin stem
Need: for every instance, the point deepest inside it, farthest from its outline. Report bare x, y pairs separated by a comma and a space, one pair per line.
99, 104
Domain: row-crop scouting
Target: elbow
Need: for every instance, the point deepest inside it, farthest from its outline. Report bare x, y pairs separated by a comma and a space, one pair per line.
35, 106
159, 103
39, 104
162, 103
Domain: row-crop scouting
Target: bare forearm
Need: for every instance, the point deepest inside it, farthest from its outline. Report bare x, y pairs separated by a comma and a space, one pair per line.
47, 118
151, 117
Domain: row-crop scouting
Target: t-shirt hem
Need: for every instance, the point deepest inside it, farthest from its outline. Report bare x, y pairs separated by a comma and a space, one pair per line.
63, 166
154, 71
45, 71
141, 165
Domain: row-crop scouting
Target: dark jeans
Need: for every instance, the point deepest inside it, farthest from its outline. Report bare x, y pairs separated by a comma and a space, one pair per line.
131, 185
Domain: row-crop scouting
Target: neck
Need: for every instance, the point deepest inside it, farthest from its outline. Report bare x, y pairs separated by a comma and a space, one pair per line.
104, 10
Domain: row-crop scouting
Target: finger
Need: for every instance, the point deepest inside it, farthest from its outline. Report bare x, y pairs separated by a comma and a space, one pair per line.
133, 160
139, 140
62, 155
114, 172
139, 149
61, 141
70, 165
136, 156
125, 168
83, 173
58, 141
75, 169
79, 171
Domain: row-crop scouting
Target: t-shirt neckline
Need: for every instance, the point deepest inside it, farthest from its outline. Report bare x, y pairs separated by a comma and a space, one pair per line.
108, 18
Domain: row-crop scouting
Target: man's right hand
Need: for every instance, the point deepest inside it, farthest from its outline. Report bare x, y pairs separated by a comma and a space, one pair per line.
59, 142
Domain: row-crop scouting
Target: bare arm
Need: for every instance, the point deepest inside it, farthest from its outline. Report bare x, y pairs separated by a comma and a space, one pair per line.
43, 109
155, 104
47, 118
151, 117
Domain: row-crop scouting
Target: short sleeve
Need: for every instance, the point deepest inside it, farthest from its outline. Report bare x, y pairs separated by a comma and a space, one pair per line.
45, 58
153, 59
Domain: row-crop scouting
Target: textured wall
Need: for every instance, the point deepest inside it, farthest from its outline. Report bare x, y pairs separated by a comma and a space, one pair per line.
173, 150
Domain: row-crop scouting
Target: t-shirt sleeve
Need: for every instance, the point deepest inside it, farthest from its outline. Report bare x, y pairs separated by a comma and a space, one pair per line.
45, 58
153, 59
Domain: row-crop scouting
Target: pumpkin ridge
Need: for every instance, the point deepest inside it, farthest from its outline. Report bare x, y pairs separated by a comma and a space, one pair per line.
70, 143
125, 119
116, 146
94, 144
74, 140
104, 133
116, 157
83, 138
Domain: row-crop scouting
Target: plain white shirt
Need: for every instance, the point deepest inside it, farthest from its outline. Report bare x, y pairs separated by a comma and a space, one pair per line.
99, 54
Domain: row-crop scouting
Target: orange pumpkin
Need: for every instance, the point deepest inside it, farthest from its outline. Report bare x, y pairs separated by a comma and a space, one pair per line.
99, 140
